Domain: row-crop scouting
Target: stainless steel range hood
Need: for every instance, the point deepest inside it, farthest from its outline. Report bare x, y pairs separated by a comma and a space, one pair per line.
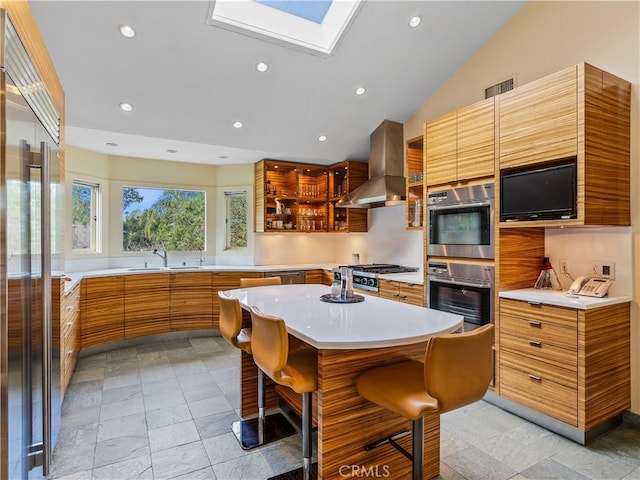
386, 185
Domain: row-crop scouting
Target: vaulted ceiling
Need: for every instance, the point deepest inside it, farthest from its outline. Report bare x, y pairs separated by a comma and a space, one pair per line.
188, 80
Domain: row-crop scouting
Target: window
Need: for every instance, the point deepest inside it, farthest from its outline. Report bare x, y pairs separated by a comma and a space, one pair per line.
84, 197
158, 218
235, 220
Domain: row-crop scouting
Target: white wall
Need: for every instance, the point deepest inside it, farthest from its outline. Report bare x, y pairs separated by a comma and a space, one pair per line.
581, 247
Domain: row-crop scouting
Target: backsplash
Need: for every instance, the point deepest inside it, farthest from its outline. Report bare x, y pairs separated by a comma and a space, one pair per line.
387, 241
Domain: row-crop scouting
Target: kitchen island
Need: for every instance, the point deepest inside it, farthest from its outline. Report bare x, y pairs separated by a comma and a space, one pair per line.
351, 338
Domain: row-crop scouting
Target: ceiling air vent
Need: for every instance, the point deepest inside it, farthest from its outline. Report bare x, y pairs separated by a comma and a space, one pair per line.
499, 88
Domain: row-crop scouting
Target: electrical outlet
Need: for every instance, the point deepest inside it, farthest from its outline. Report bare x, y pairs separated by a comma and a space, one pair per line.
604, 268
563, 266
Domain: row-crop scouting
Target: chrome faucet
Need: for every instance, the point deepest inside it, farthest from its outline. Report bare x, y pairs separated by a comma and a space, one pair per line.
164, 256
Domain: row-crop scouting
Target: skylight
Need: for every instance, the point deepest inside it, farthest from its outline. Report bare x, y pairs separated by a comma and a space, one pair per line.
312, 10
314, 26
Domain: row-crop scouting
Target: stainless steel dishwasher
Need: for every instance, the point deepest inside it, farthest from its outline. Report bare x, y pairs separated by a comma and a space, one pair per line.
288, 277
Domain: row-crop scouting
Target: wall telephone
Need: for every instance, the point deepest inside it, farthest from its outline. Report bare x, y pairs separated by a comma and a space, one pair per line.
590, 286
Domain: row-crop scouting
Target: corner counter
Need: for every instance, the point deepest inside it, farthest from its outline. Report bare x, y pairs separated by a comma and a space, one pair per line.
562, 299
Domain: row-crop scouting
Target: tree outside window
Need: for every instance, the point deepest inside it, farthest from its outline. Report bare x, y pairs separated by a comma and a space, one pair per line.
159, 218
236, 220
84, 199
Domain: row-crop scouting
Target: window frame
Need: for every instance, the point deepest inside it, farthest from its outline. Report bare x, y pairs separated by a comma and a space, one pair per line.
96, 217
228, 195
138, 185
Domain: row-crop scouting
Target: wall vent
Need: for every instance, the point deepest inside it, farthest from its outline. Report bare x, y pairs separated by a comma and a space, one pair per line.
499, 88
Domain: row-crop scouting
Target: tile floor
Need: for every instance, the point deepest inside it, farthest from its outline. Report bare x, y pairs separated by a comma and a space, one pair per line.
163, 410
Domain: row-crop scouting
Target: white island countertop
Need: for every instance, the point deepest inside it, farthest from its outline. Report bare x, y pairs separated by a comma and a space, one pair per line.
374, 323
561, 299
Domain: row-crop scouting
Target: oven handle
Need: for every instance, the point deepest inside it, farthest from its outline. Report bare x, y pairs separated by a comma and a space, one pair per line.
449, 206
464, 284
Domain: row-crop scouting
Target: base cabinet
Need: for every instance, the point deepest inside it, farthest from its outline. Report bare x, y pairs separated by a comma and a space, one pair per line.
146, 304
191, 301
69, 333
569, 364
102, 311
402, 292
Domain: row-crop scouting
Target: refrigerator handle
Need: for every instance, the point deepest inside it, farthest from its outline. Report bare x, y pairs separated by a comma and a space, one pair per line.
47, 330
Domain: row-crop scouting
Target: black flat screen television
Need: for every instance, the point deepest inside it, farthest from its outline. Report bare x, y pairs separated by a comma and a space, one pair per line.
541, 193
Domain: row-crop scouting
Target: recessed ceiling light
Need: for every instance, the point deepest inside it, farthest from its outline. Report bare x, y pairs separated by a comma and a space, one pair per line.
127, 31
415, 21
322, 138
126, 107
170, 150
360, 90
111, 144
238, 124
262, 67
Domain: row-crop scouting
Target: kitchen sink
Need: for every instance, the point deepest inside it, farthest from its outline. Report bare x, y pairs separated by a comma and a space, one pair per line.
185, 268
144, 269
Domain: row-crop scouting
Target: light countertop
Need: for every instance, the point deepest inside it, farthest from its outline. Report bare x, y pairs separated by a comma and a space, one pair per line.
561, 299
76, 277
373, 323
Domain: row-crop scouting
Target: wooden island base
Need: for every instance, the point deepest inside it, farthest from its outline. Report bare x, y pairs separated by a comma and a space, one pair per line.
347, 422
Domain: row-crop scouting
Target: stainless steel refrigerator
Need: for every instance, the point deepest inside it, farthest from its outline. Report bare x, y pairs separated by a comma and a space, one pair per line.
30, 225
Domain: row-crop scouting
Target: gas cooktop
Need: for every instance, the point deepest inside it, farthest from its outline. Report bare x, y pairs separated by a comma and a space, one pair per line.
381, 268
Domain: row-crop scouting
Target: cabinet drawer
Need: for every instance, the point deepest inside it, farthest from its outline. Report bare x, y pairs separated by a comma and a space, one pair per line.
547, 361
566, 317
540, 393
538, 331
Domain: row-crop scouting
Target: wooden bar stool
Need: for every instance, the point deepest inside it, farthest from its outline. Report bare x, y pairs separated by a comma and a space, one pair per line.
457, 370
297, 369
258, 431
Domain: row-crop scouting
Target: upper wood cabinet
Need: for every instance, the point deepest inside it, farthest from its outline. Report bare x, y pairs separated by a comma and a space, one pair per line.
343, 178
583, 113
538, 121
414, 169
460, 145
292, 197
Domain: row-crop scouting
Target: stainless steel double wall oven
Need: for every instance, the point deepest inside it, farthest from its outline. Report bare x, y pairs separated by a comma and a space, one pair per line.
460, 226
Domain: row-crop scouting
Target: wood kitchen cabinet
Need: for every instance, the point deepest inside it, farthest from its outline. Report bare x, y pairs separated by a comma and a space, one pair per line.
69, 332
538, 121
414, 170
102, 310
324, 277
291, 197
402, 292
460, 145
572, 365
580, 113
345, 177
191, 300
146, 304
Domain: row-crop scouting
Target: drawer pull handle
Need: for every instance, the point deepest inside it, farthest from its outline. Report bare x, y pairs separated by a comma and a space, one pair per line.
535, 324
535, 377
535, 304
535, 343
402, 296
